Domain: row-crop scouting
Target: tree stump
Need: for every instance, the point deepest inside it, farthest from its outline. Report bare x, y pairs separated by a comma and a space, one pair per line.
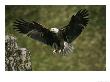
16, 59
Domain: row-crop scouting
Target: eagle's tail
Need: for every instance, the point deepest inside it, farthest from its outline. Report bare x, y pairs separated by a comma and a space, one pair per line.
67, 49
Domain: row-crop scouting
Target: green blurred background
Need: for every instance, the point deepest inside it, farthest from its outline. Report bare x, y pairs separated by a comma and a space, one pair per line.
90, 47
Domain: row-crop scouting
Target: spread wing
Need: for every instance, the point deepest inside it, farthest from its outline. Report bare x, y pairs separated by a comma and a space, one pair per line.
35, 31
75, 26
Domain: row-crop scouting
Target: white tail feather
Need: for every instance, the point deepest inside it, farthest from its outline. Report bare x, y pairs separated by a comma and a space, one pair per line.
67, 49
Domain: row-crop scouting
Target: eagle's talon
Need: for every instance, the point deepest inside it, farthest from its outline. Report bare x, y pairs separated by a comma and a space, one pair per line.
59, 51
54, 51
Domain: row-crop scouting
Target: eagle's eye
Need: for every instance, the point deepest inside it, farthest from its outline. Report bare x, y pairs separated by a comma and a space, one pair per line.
52, 29
55, 30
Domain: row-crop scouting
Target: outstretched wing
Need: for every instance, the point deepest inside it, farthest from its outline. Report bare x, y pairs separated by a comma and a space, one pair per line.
75, 26
35, 31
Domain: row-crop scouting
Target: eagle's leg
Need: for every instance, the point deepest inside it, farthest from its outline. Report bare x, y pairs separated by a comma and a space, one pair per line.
55, 48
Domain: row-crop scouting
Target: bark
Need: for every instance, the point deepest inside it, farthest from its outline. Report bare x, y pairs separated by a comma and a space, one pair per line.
16, 58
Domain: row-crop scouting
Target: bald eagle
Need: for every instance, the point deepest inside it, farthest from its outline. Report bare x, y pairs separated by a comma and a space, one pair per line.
59, 39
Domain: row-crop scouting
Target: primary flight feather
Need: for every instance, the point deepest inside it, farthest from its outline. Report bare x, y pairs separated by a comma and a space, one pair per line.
59, 39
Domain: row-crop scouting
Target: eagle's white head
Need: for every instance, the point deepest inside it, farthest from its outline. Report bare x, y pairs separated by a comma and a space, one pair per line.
55, 30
